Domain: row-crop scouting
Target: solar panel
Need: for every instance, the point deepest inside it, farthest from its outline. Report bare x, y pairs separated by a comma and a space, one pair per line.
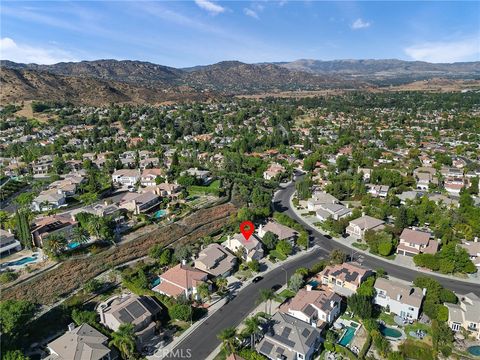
135, 309
286, 333
266, 348
305, 333
125, 317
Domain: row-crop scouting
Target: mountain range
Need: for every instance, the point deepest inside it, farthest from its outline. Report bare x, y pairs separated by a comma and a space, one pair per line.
103, 81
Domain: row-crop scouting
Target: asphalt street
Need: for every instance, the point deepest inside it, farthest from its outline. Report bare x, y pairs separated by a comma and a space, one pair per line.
203, 340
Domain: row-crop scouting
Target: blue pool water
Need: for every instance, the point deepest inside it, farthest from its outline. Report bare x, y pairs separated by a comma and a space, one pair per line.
160, 213
155, 282
73, 245
390, 332
22, 261
347, 336
314, 283
474, 350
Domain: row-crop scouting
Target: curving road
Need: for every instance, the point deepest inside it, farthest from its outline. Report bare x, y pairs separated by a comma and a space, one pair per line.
282, 204
203, 340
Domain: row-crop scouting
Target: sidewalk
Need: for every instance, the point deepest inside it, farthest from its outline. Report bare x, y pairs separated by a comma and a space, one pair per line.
400, 260
163, 352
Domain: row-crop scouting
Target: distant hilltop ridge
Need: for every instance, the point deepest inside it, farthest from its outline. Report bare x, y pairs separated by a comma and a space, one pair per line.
128, 80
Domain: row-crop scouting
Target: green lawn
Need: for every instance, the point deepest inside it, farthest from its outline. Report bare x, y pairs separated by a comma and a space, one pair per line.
213, 189
278, 255
387, 318
360, 246
286, 294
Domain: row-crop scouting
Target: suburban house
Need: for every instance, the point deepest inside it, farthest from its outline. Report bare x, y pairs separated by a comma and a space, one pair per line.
344, 278
204, 176
378, 190
251, 249
453, 185
319, 198
215, 260
273, 171
358, 227
82, 342
164, 189
46, 226
139, 203
402, 300
445, 200
408, 195
425, 176
316, 307
181, 279
68, 185
149, 176
473, 250
465, 314
8, 243
334, 211
414, 242
283, 232
367, 173
48, 200
140, 311
126, 177
289, 338
42, 166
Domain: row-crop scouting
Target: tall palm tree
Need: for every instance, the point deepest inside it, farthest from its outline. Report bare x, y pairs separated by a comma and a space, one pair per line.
124, 340
228, 337
266, 295
55, 243
251, 328
79, 235
221, 283
203, 291
95, 226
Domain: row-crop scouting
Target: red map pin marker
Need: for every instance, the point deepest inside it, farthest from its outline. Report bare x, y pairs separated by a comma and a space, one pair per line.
247, 228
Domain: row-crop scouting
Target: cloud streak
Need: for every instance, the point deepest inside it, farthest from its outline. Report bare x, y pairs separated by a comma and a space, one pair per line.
360, 24
251, 13
446, 51
11, 50
210, 6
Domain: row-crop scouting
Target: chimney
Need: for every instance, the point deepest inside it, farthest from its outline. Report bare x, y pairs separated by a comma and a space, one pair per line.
308, 287
399, 297
363, 213
332, 304
71, 327
184, 262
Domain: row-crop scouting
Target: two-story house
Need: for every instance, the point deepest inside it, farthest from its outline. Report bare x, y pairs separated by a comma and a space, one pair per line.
334, 211
126, 177
344, 278
140, 311
181, 279
414, 242
316, 307
465, 314
358, 227
283, 232
215, 260
398, 298
250, 249
289, 338
8, 243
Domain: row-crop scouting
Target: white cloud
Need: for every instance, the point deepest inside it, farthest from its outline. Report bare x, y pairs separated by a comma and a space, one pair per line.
210, 6
10, 50
460, 50
251, 13
360, 24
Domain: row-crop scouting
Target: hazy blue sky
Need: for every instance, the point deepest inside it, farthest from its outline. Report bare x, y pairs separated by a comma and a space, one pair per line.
186, 33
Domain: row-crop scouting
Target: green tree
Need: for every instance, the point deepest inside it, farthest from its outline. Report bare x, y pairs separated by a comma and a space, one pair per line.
55, 243
284, 247
228, 338
84, 317
254, 265
266, 296
361, 305
251, 329
182, 312
79, 235
221, 283
270, 240
203, 291
22, 224
165, 257
155, 251
14, 355
302, 240
295, 282
183, 252
14, 314
124, 340
337, 257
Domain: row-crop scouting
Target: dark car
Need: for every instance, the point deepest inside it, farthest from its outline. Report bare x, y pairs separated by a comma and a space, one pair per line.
327, 236
276, 287
257, 279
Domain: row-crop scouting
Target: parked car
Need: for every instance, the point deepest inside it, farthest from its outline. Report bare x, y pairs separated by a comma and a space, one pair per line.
257, 279
276, 287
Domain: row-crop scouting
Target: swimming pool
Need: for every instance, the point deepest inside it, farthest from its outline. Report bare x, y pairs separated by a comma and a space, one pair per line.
313, 283
390, 332
347, 336
155, 282
73, 245
22, 261
474, 350
160, 213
